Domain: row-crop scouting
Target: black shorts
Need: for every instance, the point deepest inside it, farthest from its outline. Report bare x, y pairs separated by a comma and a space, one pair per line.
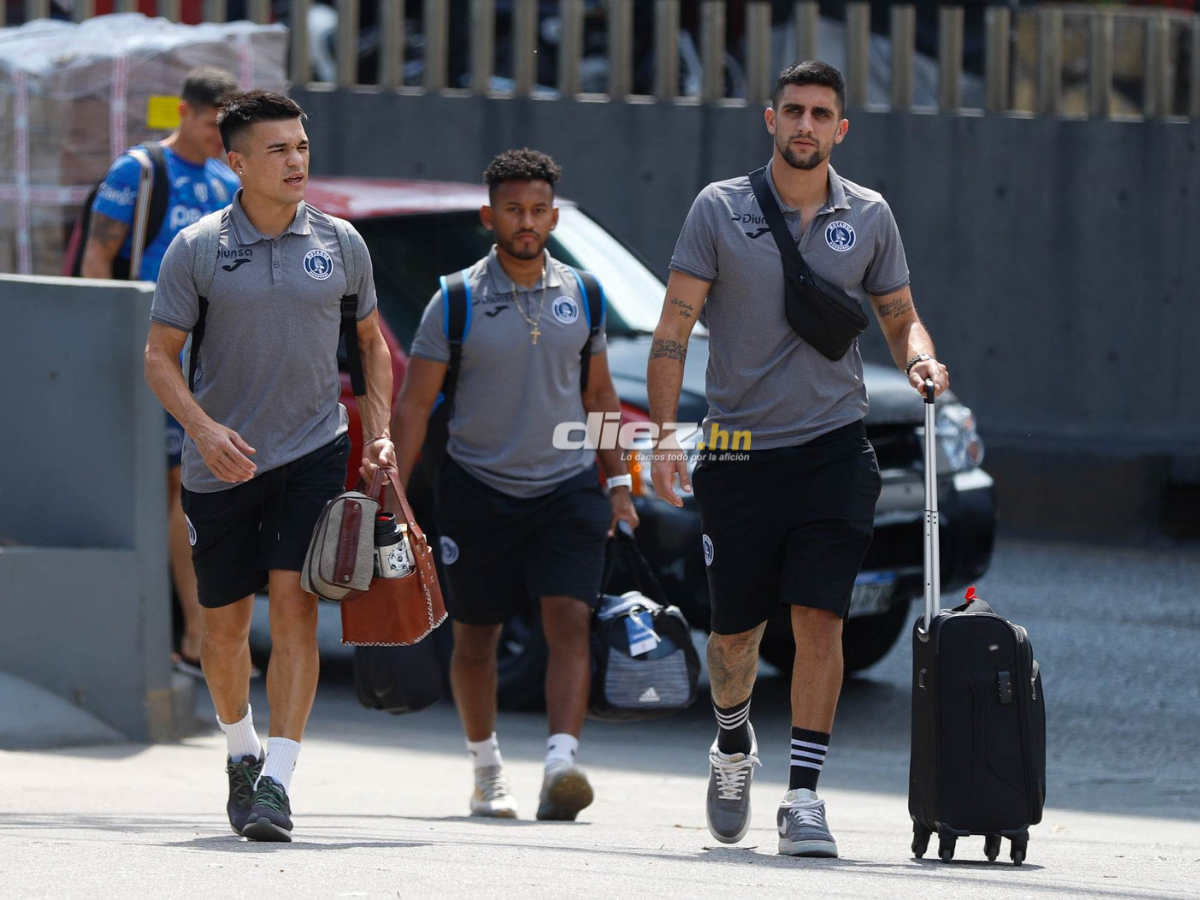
174, 442
240, 534
788, 526
498, 551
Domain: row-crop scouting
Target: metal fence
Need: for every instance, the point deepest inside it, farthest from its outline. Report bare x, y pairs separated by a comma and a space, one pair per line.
1027, 52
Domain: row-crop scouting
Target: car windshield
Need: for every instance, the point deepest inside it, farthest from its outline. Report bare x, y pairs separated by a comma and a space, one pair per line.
409, 253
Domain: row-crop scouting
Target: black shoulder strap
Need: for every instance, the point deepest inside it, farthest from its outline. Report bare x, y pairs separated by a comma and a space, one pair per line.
204, 265
593, 297
793, 262
160, 190
197, 339
456, 300
349, 329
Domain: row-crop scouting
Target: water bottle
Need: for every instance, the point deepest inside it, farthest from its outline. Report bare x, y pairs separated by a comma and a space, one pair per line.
393, 553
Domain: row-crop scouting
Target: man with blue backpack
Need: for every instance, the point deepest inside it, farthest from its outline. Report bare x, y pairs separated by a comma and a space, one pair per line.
506, 351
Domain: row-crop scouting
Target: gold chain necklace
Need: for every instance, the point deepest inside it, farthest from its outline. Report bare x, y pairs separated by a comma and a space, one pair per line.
534, 331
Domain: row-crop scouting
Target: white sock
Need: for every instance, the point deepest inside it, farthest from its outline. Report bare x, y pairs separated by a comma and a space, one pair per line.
485, 752
240, 737
281, 760
562, 747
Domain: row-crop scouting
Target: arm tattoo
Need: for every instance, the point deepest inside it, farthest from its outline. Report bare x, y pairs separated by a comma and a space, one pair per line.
668, 350
685, 309
109, 233
895, 308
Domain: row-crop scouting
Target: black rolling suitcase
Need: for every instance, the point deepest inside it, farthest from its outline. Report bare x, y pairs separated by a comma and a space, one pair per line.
978, 764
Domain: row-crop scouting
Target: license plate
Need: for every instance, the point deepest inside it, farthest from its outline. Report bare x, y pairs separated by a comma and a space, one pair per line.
872, 593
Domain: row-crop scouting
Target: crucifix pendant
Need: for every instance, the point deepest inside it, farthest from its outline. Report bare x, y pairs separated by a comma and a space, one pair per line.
534, 333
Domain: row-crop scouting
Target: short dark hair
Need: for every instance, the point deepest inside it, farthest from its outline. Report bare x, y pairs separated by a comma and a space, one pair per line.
243, 110
208, 86
520, 165
811, 72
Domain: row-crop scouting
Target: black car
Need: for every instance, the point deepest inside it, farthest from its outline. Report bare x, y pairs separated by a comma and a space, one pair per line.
418, 230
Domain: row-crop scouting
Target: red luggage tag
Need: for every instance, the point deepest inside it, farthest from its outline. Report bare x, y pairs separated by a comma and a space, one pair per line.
970, 596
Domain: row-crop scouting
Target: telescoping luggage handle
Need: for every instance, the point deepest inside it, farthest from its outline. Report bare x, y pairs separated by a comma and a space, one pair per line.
933, 556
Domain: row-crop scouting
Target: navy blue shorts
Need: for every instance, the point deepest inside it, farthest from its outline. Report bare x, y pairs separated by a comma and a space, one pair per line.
789, 526
499, 551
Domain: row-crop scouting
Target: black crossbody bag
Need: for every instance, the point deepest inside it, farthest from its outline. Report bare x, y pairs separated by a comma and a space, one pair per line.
815, 310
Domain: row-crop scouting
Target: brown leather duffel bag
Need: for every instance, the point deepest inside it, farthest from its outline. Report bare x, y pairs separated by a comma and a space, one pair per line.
396, 612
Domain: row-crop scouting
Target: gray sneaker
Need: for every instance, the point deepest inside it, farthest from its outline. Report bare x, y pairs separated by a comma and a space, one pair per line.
493, 798
802, 827
729, 778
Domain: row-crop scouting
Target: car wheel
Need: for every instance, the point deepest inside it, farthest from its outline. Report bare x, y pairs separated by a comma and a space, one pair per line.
521, 660
865, 640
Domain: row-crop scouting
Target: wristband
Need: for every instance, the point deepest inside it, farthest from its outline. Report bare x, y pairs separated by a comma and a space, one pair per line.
620, 481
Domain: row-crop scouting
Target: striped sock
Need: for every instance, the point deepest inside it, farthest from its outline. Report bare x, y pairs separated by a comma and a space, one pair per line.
733, 724
808, 756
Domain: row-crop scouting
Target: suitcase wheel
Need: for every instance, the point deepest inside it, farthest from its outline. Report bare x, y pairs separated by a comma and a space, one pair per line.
991, 847
1019, 846
946, 844
920, 841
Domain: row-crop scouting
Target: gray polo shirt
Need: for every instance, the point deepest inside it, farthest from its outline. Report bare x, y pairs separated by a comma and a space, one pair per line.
511, 393
762, 377
268, 362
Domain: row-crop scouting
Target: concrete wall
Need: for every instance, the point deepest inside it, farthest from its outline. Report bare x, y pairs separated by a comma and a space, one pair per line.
1053, 260
84, 595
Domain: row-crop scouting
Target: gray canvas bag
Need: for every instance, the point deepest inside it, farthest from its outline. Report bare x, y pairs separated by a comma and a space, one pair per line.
340, 561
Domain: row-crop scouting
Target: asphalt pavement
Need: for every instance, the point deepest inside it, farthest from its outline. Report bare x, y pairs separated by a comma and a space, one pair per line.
380, 801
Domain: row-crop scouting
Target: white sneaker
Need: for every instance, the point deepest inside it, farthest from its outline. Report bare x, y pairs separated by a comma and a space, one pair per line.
492, 798
565, 791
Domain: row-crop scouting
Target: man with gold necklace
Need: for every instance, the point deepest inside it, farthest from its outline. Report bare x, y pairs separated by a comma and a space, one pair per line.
518, 519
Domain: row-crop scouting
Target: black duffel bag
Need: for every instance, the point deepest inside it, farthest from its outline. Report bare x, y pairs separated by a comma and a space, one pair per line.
400, 680
644, 665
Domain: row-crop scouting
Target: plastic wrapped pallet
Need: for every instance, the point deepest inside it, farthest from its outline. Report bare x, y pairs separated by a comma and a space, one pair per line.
74, 96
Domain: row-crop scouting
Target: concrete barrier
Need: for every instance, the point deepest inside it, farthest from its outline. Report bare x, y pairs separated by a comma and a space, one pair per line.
84, 595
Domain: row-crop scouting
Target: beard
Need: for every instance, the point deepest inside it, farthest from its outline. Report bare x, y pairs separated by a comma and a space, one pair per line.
808, 161
525, 251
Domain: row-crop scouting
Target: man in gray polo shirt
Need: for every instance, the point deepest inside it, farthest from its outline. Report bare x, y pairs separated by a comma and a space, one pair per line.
518, 518
266, 443
790, 524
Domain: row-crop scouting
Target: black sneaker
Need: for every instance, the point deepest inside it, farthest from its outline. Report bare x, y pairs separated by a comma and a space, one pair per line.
270, 817
242, 775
